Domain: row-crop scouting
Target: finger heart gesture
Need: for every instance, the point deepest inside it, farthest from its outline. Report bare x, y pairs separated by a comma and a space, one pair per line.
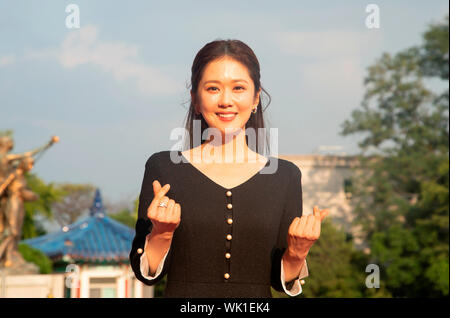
304, 231
163, 212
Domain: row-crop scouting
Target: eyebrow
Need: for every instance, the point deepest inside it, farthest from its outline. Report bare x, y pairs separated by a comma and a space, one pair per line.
235, 80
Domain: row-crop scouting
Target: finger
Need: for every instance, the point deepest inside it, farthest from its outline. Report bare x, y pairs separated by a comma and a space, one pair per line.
316, 211
156, 187
162, 192
293, 226
161, 211
324, 213
168, 213
309, 226
177, 212
301, 225
316, 228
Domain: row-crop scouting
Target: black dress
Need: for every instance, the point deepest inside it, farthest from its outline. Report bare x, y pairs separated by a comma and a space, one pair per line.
261, 210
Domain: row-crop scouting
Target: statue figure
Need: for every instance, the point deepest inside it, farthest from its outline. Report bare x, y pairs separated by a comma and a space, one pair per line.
13, 194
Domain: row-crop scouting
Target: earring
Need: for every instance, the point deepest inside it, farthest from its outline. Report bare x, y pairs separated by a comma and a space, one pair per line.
254, 110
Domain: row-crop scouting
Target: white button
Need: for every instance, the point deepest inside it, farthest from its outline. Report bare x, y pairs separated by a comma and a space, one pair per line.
229, 237
228, 193
229, 206
227, 255
226, 275
230, 221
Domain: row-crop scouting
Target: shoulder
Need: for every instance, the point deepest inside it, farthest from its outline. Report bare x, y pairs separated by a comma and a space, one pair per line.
158, 159
288, 168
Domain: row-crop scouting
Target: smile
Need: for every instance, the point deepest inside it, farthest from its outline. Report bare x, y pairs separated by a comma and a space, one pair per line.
226, 117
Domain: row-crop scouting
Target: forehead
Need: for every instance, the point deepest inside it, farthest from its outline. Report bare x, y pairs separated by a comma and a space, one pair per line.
225, 69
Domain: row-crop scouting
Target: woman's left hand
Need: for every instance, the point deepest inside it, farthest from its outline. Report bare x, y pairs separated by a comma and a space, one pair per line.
303, 232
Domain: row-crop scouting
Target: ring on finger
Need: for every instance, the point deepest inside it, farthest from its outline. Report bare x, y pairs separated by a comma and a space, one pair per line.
162, 205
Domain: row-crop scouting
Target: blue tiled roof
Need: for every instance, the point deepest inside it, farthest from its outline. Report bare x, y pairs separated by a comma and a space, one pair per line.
96, 238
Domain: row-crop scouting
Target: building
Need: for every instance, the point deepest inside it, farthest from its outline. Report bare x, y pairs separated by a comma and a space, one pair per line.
326, 180
92, 253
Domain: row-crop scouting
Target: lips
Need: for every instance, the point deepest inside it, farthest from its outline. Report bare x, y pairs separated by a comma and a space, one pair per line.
226, 116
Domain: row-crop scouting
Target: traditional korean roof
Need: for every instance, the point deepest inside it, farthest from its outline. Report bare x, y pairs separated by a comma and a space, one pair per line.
96, 238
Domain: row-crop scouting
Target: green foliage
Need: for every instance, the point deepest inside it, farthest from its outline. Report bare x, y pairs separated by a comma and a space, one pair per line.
35, 256
336, 268
402, 198
125, 217
159, 287
48, 194
75, 200
6, 133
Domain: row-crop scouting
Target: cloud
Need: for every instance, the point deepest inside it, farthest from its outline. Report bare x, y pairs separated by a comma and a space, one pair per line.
82, 47
327, 44
331, 63
7, 60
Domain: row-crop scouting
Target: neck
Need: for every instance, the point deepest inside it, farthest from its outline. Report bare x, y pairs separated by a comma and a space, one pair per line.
231, 148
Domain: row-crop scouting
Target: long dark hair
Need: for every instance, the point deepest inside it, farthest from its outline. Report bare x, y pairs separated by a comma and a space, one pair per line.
242, 53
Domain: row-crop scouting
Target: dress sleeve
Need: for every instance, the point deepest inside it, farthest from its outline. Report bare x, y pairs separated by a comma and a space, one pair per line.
145, 267
144, 225
294, 288
293, 208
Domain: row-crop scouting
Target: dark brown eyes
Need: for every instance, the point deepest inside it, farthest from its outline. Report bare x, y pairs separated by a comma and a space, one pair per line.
209, 88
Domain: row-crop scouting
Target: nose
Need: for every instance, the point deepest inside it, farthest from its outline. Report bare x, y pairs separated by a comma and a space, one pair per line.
226, 98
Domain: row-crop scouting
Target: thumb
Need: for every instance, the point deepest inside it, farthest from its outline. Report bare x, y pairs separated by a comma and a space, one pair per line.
316, 211
324, 213
156, 187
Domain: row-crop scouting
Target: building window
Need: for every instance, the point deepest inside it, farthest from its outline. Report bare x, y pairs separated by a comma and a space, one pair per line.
348, 188
102, 287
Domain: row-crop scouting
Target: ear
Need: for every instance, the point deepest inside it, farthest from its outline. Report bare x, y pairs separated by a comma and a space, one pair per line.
256, 102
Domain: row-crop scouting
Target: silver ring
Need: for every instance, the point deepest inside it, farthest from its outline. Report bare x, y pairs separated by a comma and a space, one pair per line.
162, 205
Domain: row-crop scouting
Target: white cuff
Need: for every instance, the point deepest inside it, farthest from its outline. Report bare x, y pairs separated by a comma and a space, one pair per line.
297, 287
144, 264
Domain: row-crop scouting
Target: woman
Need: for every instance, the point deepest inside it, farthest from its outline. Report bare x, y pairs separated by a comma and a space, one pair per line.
223, 223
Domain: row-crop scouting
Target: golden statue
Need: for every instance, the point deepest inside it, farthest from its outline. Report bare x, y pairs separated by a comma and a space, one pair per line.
13, 194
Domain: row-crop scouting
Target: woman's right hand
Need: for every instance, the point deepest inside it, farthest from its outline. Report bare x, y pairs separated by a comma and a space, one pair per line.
165, 220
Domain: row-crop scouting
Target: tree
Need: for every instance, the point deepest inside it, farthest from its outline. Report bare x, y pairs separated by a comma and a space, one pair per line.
336, 268
48, 195
402, 203
121, 212
125, 217
76, 199
37, 257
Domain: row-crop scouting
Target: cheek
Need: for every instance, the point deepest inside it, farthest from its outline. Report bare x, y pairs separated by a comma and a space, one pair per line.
208, 101
243, 102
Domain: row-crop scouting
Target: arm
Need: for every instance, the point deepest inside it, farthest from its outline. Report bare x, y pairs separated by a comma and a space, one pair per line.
292, 265
286, 269
145, 272
294, 288
144, 226
14, 157
156, 248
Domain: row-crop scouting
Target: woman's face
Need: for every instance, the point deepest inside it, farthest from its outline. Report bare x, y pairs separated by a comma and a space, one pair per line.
226, 95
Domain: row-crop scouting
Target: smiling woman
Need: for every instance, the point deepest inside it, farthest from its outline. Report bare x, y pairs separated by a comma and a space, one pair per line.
226, 73
241, 230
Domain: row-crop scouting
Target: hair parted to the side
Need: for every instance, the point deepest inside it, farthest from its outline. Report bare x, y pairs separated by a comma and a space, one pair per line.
242, 53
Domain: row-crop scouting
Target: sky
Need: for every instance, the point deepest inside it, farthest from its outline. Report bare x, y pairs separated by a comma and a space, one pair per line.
115, 88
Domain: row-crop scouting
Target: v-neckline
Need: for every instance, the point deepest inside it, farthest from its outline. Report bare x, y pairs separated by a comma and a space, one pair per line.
218, 185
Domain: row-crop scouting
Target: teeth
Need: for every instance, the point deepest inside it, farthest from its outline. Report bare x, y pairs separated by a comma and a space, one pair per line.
226, 115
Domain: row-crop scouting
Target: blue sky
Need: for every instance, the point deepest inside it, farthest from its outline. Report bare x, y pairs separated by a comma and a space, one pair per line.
115, 88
